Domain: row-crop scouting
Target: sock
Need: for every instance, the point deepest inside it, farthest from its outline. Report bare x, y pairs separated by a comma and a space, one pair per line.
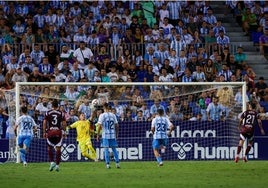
50, 155
115, 155
238, 150
159, 159
58, 156
22, 155
247, 150
106, 155
92, 152
22, 150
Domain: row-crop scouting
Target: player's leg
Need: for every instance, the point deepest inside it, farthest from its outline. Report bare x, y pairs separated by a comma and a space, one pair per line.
250, 143
50, 153
113, 145
248, 147
58, 157
163, 145
25, 149
116, 157
21, 149
107, 157
58, 153
156, 146
84, 147
105, 145
51, 157
50, 148
239, 147
92, 154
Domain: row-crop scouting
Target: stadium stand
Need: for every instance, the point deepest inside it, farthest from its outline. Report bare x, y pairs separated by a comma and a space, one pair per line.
64, 25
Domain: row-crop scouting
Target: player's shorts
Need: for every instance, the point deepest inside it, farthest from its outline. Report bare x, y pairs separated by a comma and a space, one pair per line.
24, 140
54, 132
249, 137
159, 142
54, 141
54, 136
108, 143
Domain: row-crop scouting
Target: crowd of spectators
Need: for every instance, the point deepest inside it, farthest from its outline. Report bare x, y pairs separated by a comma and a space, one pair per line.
127, 41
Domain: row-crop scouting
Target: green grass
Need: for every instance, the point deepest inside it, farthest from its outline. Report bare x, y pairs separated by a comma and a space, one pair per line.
137, 174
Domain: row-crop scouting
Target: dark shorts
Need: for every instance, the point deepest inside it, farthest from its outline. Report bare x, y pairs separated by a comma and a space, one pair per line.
248, 136
54, 137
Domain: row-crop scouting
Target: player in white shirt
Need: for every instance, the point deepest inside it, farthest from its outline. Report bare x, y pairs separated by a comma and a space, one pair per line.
160, 125
108, 123
26, 127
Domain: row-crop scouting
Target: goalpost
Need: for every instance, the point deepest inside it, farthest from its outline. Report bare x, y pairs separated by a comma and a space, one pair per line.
194, 138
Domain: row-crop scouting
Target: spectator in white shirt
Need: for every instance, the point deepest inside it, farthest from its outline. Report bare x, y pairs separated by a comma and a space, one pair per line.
59, 77
83, 55
19, 76
113, 74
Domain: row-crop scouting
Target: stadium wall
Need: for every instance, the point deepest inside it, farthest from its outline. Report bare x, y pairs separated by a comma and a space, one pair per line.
189, 141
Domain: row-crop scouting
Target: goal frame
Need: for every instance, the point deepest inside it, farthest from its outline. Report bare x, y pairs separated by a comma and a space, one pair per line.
19, 84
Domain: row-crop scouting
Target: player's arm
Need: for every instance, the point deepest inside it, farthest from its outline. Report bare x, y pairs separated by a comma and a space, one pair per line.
260, 126
45, 128
116, 130
98, 129
91, 127
152, 127
17, 123
171, 128
34, 126
208, 112
241, 121
15, 129
64, 126
34, 129
240, 124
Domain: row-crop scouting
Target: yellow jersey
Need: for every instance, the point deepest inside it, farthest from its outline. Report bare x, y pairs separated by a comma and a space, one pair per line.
82, 129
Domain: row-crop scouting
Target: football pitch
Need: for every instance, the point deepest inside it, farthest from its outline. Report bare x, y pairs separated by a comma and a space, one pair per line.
137, 174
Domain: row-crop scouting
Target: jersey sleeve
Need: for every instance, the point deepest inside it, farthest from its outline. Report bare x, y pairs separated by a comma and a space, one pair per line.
115, 119
74, 125
100, 119
153, 123
34, 123
169, 123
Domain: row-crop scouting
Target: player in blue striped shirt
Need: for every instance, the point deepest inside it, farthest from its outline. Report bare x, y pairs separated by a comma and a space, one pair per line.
160, 125
109, 125
26, 127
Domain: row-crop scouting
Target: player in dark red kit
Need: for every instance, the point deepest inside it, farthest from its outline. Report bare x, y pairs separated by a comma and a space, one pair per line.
248, 120
54, 126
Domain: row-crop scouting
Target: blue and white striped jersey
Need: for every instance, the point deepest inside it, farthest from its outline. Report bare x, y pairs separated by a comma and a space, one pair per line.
25, 125
108, 121
161, 124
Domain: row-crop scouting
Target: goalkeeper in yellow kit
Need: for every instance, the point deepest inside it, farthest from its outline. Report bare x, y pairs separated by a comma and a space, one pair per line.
83, 130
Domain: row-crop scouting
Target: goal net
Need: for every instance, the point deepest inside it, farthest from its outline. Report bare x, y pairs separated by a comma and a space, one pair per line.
7, 125
202, 131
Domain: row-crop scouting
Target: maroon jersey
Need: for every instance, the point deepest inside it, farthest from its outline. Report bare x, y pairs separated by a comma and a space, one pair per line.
54, 120
250, 120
